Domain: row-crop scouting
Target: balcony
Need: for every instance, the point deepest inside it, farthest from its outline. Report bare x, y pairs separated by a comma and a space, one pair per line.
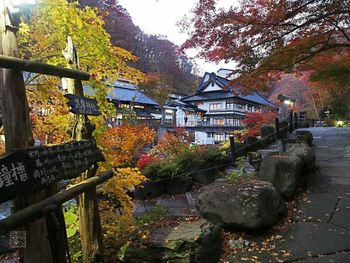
210, 127
152, 123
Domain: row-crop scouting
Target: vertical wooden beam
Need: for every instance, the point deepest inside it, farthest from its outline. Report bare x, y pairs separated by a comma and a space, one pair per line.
81, 128
295, 120
18, 134
58, 241
232, 149
277, 125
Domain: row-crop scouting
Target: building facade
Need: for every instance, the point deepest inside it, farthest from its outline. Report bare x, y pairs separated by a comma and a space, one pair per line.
217, 109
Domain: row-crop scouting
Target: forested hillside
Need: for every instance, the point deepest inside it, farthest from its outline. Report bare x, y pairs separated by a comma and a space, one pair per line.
157, 55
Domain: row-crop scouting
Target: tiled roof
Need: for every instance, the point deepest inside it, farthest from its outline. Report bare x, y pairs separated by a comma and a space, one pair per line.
126, 92
227, 92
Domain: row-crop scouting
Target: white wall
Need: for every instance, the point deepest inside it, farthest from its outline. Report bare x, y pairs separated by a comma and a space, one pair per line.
211, 87
202, 138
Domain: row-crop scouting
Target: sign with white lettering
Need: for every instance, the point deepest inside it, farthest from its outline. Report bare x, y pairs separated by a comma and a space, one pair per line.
81, 105
37, 167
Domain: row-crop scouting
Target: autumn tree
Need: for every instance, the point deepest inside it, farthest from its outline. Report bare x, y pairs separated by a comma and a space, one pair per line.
157, 55
330, 75
43, 39
266, 37
122, 146
255, 120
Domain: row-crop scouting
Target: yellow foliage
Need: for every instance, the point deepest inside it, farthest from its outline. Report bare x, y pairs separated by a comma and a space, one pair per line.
117, 187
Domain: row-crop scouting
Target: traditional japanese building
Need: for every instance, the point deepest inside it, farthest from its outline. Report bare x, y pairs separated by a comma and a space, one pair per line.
217, 109
128, 99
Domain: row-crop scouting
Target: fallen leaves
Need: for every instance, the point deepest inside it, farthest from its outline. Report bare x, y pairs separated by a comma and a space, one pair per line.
236, 243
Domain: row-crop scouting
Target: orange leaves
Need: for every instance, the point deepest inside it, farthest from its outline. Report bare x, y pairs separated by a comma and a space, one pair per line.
122, 144
172, 144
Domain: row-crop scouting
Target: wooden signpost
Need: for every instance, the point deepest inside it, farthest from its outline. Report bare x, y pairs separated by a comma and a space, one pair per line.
30, 174
38, 167
82, 105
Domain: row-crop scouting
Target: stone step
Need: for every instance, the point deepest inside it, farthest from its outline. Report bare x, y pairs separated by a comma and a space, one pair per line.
191, 203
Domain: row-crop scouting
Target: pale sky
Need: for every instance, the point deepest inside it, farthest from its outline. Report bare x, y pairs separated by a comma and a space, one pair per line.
160, 17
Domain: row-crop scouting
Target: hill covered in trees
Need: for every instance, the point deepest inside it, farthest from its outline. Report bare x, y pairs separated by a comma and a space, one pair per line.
157, 55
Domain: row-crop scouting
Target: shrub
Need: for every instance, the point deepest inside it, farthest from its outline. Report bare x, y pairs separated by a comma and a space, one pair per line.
192, 158
144, 161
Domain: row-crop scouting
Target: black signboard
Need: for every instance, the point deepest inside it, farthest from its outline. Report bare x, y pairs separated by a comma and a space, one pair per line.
37, 167
81, 105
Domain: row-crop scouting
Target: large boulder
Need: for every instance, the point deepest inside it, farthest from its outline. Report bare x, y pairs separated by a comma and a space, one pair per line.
250, 205
284, 172
305, 152
304, 136
198, 241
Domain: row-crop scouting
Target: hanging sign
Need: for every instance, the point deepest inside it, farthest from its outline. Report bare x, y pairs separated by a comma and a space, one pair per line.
38, 167
82, 105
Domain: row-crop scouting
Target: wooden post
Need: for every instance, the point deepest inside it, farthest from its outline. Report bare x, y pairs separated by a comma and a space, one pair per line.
291, 122
295, 120
232, 149
18, 134
55, 225
277, 124
81, 128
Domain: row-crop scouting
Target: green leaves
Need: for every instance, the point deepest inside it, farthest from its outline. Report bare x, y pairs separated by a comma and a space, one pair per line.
72, 222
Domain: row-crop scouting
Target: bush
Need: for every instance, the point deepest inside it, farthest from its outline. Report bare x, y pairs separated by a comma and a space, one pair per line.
192, 159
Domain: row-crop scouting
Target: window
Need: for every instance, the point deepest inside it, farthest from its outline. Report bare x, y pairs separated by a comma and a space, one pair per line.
229, 105
240, 107
219, 137
219, 121
214, 106
233, 122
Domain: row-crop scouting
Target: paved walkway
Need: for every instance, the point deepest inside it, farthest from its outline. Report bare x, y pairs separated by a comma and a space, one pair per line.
322, 229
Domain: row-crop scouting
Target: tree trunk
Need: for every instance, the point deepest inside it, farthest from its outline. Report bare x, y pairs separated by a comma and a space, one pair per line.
81, 128
18, 134
162, 120
315, 107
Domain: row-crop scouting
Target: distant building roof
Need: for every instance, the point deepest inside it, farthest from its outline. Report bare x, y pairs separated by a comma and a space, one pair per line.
226, 91
127, 92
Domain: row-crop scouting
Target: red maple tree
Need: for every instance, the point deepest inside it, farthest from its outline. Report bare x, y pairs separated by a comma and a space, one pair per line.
267, 37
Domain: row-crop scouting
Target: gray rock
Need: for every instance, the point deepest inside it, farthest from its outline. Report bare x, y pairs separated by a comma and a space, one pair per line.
284, 172
305, 152
304, 135
250, 205
198, 241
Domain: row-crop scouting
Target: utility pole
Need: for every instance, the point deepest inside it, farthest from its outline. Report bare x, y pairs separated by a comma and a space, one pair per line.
18, 134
